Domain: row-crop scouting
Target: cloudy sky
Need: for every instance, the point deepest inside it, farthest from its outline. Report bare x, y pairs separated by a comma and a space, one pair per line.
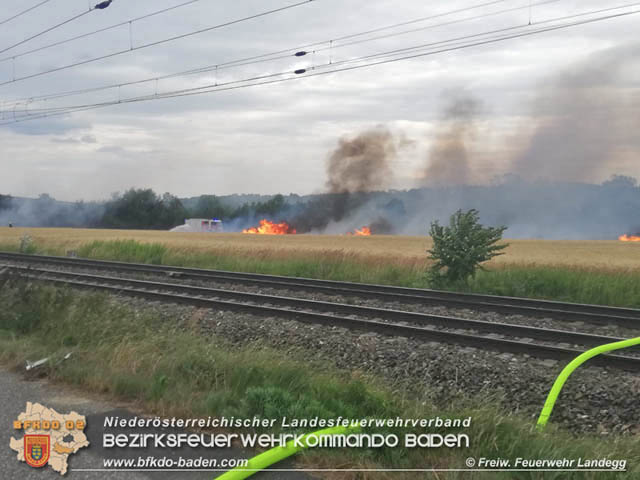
561, 104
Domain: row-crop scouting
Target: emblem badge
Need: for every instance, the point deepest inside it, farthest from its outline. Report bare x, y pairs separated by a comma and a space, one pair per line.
36, 450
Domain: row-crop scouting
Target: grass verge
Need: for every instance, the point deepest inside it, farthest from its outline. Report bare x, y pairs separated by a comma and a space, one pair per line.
132, 355
579, 285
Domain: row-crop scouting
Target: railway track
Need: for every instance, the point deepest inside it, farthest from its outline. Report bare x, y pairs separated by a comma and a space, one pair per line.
518, 339
593, 314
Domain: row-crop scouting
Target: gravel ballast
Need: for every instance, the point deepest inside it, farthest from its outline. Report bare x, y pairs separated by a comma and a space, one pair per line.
594, 399
464, 313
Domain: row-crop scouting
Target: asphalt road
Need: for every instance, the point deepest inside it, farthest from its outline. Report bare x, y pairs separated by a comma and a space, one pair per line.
16, 391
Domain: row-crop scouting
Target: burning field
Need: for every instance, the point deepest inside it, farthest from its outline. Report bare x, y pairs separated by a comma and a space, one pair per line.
375, 250
267, 227
629, 238
270, 228
361, 232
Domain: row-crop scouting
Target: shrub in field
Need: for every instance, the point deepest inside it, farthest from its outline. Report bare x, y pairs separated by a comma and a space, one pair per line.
27, 245
460, 248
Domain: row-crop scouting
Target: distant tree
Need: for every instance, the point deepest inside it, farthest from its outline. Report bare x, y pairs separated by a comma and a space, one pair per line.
621, 182
48, 212
143, 209
210, 206
5, 202
270, 207
242, 211
173, 212
460, 248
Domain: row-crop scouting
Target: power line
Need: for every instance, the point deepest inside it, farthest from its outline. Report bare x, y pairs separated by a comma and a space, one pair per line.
24, 12
342, 62
298, 74
493, 32
299, 50
99, 6
270, 79
418, 20
94, 32
214, 87
160, 42
452, 22
133, 20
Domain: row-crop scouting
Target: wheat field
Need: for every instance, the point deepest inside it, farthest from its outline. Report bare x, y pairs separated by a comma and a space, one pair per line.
583, 254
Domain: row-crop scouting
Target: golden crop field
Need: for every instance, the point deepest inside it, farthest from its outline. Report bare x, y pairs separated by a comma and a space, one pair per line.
597, 255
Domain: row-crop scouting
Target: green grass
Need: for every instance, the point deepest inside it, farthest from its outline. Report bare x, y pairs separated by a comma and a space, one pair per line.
562, 284
318, 265
615, 289
137, 356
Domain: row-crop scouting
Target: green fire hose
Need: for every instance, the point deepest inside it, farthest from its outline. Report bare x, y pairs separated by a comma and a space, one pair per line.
568, 370
277, 454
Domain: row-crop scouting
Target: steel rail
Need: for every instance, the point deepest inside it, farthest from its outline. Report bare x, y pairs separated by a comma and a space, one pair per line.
520, 331
595, 314
237, 301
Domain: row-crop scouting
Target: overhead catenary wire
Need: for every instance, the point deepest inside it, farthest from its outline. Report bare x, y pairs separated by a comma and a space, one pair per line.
100, 30
452, 22
312, 72
133, 20
286, 53
99, 6
23, 12
492, 32
299, 71
160, 42
269, 79
212, 87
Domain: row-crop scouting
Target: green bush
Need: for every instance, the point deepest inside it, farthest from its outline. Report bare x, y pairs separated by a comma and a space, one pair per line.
460, 248
27, 246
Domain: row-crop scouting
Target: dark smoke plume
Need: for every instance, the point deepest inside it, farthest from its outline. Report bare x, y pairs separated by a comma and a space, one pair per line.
448, 161
361, 164
357, 166
381, 226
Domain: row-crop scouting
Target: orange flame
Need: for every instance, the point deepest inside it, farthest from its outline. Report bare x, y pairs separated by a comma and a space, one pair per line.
363, 232
629, 238
269, 228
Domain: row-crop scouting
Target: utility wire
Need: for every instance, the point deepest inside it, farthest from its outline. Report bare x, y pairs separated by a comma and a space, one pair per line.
269, 79
461, 45
23, 12
133, 20
160, 42
493, 32
396, 52
27, 101
282, 54
99, 6
452, 22
418, 20
85, 35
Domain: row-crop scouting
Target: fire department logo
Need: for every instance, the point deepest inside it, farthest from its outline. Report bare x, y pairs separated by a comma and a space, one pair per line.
49, 437
36, 450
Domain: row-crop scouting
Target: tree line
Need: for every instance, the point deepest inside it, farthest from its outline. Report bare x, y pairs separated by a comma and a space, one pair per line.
143, 208
135, 208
